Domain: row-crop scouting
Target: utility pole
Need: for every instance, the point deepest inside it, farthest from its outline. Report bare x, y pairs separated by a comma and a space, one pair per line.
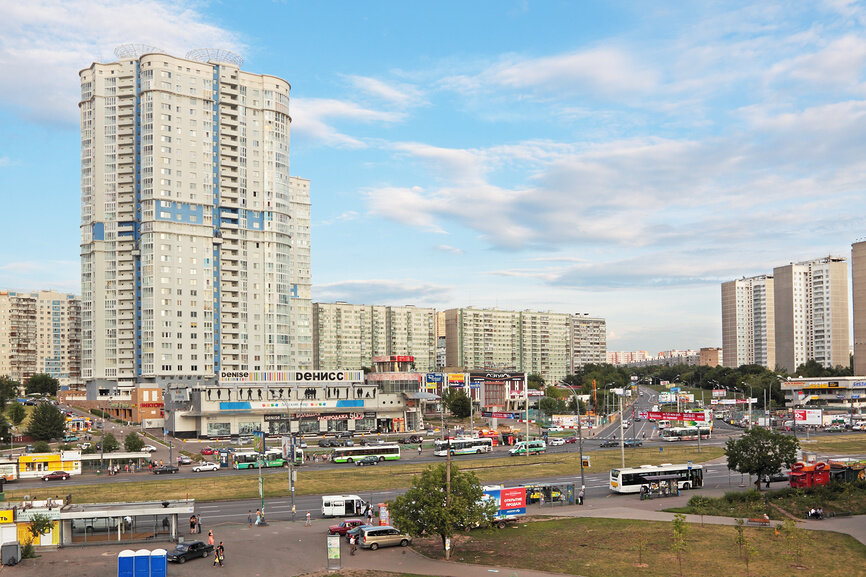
621, 433
526, 397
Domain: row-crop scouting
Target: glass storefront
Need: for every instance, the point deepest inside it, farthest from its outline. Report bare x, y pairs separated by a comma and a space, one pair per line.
118, 529
248, 428
366, 424
338, 426
308, 426
219, 429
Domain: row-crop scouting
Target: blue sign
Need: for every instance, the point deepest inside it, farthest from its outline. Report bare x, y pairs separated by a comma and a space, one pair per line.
675, 389
435, 377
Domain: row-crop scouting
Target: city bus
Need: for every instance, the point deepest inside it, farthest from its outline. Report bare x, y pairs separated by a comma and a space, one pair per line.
534, 448
663, 424
352, 454
631, 480
684, 433
462, 446
250, 459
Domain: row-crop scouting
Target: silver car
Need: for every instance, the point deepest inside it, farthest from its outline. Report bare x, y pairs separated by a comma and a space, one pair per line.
373, 537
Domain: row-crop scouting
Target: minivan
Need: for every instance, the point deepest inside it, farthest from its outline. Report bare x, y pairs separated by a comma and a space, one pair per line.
373, 537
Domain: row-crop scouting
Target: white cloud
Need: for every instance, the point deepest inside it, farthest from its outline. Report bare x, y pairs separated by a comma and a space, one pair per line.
451, 249
347, 216
61, 275
45, 41
399, 94
313, 117
382, 292
840, 63
5, 161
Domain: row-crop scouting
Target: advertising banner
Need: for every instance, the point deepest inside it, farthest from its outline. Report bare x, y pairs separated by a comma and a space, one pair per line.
569, 421
667, 398
719, 393
808, 417
456, 380
509, 501
259, 441
686, 397
735, 401
500, 415
665, 416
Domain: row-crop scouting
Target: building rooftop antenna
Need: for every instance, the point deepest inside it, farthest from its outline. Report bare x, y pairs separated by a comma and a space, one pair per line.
136, 50
206, 55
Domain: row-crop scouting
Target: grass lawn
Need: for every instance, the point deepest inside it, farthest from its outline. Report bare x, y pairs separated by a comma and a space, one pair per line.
610, 548
840, 444
361, 479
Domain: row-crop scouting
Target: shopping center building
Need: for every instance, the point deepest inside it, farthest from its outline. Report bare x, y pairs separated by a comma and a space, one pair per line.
847, 393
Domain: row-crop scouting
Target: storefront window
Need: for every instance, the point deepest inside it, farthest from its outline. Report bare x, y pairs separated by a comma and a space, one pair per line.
219, 429
338, 426
308, 425
278, 427
248, 428
366, 424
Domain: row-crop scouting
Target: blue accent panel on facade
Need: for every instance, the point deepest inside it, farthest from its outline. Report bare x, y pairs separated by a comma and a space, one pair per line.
347, 404
98, 231
126, 233
227, 406
179, 212
255, 220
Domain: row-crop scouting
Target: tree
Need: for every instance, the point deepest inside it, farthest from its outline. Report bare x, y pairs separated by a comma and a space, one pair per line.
9, 389
550, 406
133, 443
41, 447
40, 524
535, 381
460, 407
109, 443
426, 509
17, 414
678, 543
46, 422
761, 452
42, 384
5, 432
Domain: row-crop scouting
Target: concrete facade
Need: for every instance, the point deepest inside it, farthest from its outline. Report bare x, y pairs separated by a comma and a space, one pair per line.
858, 295
748, 322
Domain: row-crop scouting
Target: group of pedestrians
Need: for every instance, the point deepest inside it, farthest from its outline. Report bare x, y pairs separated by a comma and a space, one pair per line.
194, 524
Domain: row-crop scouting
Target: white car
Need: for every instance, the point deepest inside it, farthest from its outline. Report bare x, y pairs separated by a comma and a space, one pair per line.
149, 448
556, 442
206, 466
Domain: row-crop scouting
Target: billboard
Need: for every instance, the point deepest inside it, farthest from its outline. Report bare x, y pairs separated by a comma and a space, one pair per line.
568, 421
667, 398
719, 393
808, 417
666, 416
509, 501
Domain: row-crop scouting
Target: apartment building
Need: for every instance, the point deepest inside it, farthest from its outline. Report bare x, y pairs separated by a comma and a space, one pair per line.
40, 332
748, 322
626, 357
348, 336
589, 341
811, 308
858, 294
194, 238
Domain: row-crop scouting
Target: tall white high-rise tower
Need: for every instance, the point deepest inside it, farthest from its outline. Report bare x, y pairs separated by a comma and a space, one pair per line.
188, 266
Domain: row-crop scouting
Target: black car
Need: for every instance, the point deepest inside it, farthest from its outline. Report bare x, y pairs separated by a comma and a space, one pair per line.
189, 550
346, 434
328, 443
368, 460
609, 443
165, 469
633, 443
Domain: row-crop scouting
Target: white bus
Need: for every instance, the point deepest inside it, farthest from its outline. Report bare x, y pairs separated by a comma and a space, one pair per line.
684, 433
663, 424
352, 454
534, 447
462, 446
631, 480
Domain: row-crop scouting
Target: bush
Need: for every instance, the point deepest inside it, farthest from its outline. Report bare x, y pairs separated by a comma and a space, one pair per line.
41, 447
27, 551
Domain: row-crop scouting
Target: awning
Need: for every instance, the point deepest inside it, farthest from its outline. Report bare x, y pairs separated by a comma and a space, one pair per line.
421, 396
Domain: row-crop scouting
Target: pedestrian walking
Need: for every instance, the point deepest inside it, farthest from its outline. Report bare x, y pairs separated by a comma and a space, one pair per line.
369, 516
258, 516
308, 523
352, 545
419, 448
218, 555
198, 524
210, 537
250, 517
580, 494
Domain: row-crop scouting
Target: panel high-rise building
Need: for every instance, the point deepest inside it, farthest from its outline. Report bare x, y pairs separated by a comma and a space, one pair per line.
858, 294
811, 302
40, 332
189, 218
589, 341
748, 322
348, 336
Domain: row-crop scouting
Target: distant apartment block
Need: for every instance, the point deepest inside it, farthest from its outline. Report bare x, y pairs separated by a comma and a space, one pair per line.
811, 308
858, 293
748, 322
589, 341
706, 356
546, 343
348, 336
40, 332
626, 357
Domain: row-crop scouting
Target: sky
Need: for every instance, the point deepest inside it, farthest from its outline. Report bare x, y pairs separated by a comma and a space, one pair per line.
620, 159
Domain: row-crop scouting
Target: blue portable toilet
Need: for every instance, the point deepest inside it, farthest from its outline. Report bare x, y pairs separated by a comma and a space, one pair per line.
126, 563
158, 563
142, 563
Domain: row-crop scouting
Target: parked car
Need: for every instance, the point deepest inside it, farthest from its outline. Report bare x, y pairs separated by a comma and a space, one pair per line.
343, 527
183, 460
206, 466
55, 476
327, 443
368, 460
165, 469
835, 429
207, 451
149, 448
372, 537
356, 531
346, 434
189, 550
70, 439
556, 442
554, 429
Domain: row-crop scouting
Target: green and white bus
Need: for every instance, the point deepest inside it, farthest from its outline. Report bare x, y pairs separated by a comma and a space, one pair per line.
462, 446
534, 447
250, 459
352, 454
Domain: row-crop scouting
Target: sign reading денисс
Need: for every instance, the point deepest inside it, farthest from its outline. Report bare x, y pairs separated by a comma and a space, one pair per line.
291, 376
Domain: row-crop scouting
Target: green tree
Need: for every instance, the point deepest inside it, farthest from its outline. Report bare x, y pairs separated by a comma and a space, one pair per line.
46, 422
17, 413
678, 542
43, 384
535, 381
9, 389
460, 406
550, 406
427, 509
133, 442
795, 538
109, 443
5, 431
41, 447
761, 452
40, 524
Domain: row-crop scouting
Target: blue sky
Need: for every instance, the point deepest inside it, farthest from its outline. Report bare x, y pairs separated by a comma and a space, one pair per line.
615, 158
